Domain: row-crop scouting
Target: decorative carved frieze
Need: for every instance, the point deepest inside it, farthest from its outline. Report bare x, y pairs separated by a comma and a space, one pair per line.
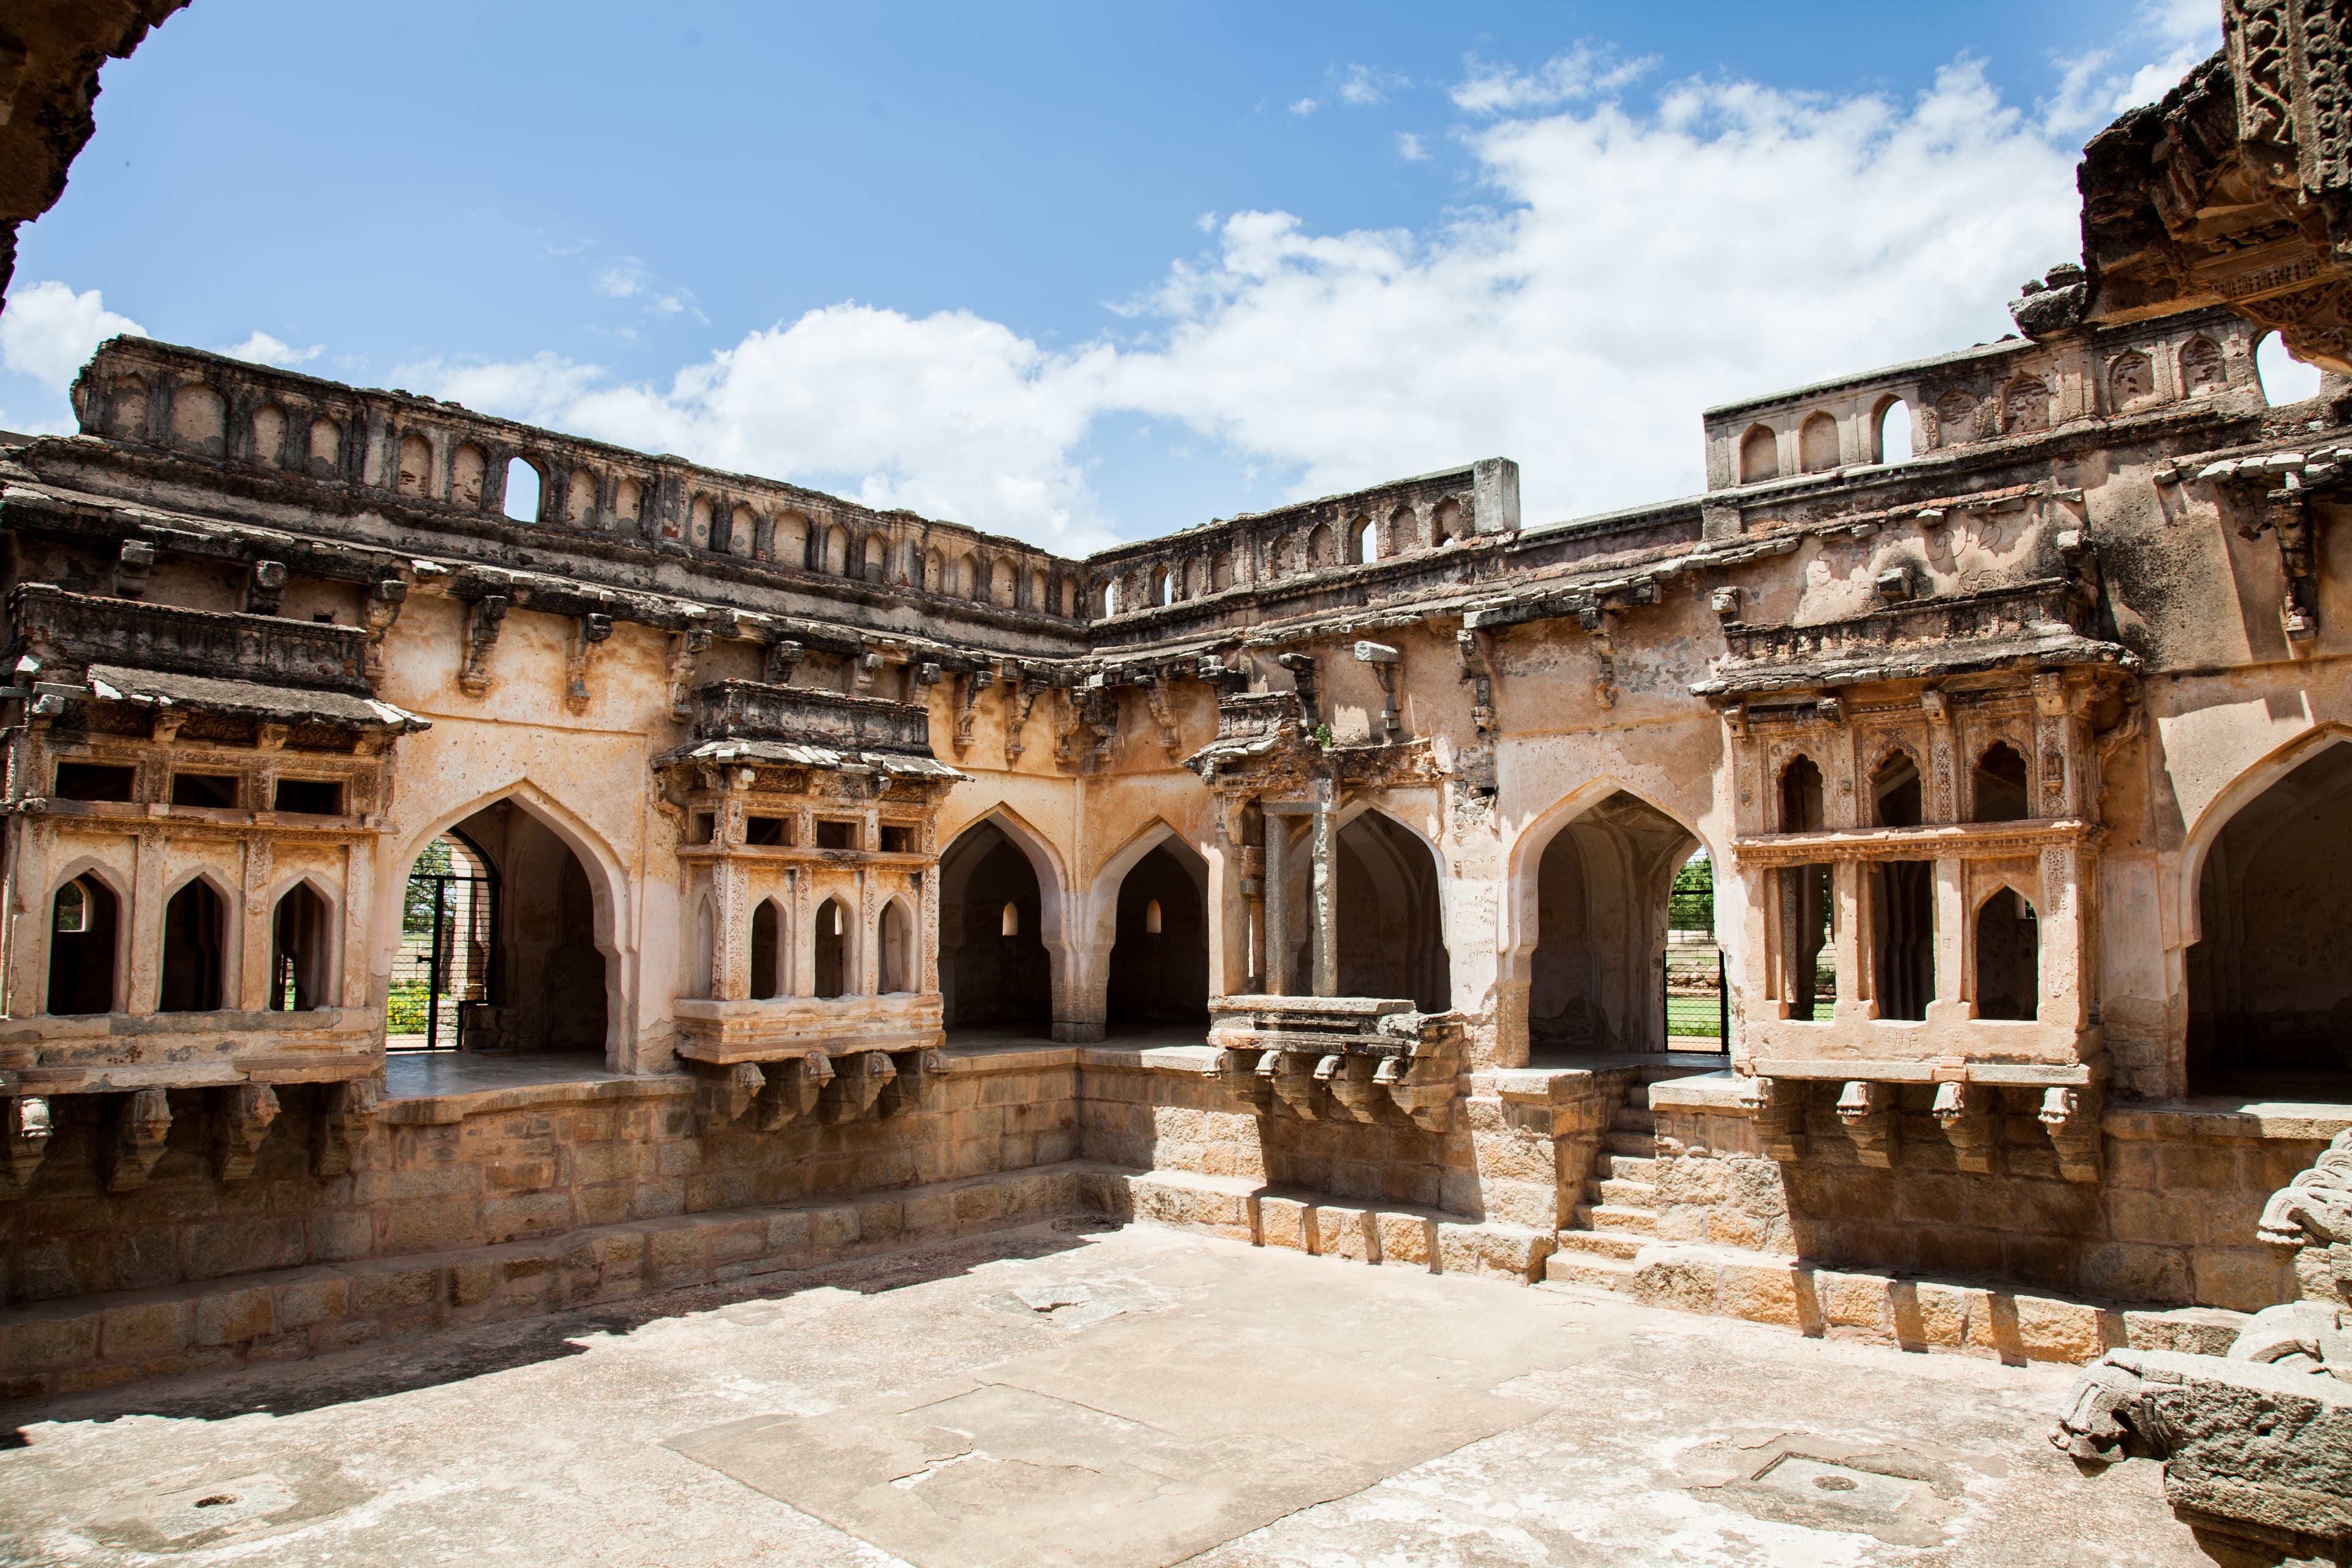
754, 710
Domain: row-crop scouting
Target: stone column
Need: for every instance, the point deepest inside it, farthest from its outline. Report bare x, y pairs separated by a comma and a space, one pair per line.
1277, 903
1846, 940
251, 992
142, 988
730, 934
1951, 999
28, 912
928, 976
2065, 1000
1323, 890
869, 934
803, 947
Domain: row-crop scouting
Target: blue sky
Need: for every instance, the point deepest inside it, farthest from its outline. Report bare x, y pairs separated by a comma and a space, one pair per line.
1086, 272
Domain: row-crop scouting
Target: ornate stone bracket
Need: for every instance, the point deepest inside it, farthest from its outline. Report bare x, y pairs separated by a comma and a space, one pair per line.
132, 568
1965, 1113
1155, 698
1470, 652
142, 1121
24, 1128
1302, 674
1386, 662
2071, 1115
857, 1084
792, 1089
343, 1118
685, 651
484, 621
970, 686
1032, 688
1777, 1107
1868, 1112
265, 587
241, 1119
780, 660
383, 609
587, 631
813, 1085
1341, 1059
1600, 625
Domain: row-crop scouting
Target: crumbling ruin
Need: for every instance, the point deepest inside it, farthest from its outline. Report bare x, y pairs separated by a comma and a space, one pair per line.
816, 877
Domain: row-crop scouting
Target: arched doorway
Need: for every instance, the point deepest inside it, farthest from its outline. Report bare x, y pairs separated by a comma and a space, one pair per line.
994, 972
1603, 885
2270, 983
1160, 952
498, 948
1392, 940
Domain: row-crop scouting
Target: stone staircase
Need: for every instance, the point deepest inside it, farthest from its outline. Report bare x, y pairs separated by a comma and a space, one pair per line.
1618, 1215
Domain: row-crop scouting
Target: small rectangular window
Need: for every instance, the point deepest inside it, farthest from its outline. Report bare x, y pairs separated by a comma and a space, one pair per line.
698, 827
897, 840
311, 797
203, 789
766, 830
94, 780
836, 836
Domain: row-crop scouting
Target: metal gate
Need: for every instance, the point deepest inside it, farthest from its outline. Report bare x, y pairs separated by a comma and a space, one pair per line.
448, 942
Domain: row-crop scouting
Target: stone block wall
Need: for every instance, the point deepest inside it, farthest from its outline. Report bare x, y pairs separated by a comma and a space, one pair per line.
487, 1169
2171, 1223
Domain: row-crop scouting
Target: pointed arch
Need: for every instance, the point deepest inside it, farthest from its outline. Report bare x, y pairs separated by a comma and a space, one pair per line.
199, 944
85, 970
1159, 974
897, 961
304, 967
772, 966
2250, 784
612, 915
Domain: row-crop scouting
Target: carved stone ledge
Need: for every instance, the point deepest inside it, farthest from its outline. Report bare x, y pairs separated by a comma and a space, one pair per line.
1362, 1061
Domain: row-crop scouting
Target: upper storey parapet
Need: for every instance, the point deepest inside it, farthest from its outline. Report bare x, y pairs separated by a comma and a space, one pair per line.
1966, 404
449, 464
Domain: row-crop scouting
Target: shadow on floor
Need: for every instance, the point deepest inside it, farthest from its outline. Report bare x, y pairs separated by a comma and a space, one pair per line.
463, 1351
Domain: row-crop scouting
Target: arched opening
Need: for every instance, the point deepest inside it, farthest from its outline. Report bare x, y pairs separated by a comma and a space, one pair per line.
326, 448
2285, 378
1997, 782
894, 951
1891, 441
1759, 455
1447, 522
1605, 940
699, 528
1322, 546
769, 967
83, 928
628, 503
1366, 542
1808, 971
1163, 590
1220, 572
1390, 941
2270, 979
522, 491
1894, 790
994, 972
499, 943
837, 551
1160, 949
833, 949
1003, 578
301, 952
2009, 948
200, 419
1817, 444
194, 949
1800, 796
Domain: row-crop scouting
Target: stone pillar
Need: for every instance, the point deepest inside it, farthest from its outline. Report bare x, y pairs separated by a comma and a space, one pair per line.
2065, 994
1951, 999
803, 947
1277, 904
28, 913
1229, 920
141, 988
250, 992
928, 966
869, 934
1323, 890
731, 933
1846, 940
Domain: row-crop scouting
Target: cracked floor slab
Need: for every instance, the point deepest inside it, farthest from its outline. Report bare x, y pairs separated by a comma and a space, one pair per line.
1241, 1408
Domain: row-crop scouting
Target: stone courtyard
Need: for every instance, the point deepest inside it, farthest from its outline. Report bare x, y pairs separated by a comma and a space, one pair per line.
1075, 1393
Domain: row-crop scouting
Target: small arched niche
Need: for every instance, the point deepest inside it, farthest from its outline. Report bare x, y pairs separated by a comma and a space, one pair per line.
1998, 782
1817, 444
1759, 455
2008, 955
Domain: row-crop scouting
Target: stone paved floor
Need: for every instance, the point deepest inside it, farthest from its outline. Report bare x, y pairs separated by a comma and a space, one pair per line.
1076, 1394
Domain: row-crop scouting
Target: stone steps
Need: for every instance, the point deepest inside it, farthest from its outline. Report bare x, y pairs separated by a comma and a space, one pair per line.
1633, 1145
1628, 1167
1587, 1268
1615, 1243
1612, 1217
1623, 1195
1607, 1230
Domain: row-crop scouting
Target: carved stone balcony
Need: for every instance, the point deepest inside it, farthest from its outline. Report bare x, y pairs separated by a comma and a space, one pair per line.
807, 1059
1339, 1058
752, 711
2030, 626
82, 630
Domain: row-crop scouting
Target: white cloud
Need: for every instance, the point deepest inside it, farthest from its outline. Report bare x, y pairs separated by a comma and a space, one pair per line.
48, 331
622, 279
1631, 266
1582, 72
263, 349
1360, 86
2094, 88
1409, 149
1305, 106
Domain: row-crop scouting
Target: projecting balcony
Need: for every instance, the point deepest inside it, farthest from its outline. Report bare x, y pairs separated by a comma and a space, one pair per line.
83, 630
794, 715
